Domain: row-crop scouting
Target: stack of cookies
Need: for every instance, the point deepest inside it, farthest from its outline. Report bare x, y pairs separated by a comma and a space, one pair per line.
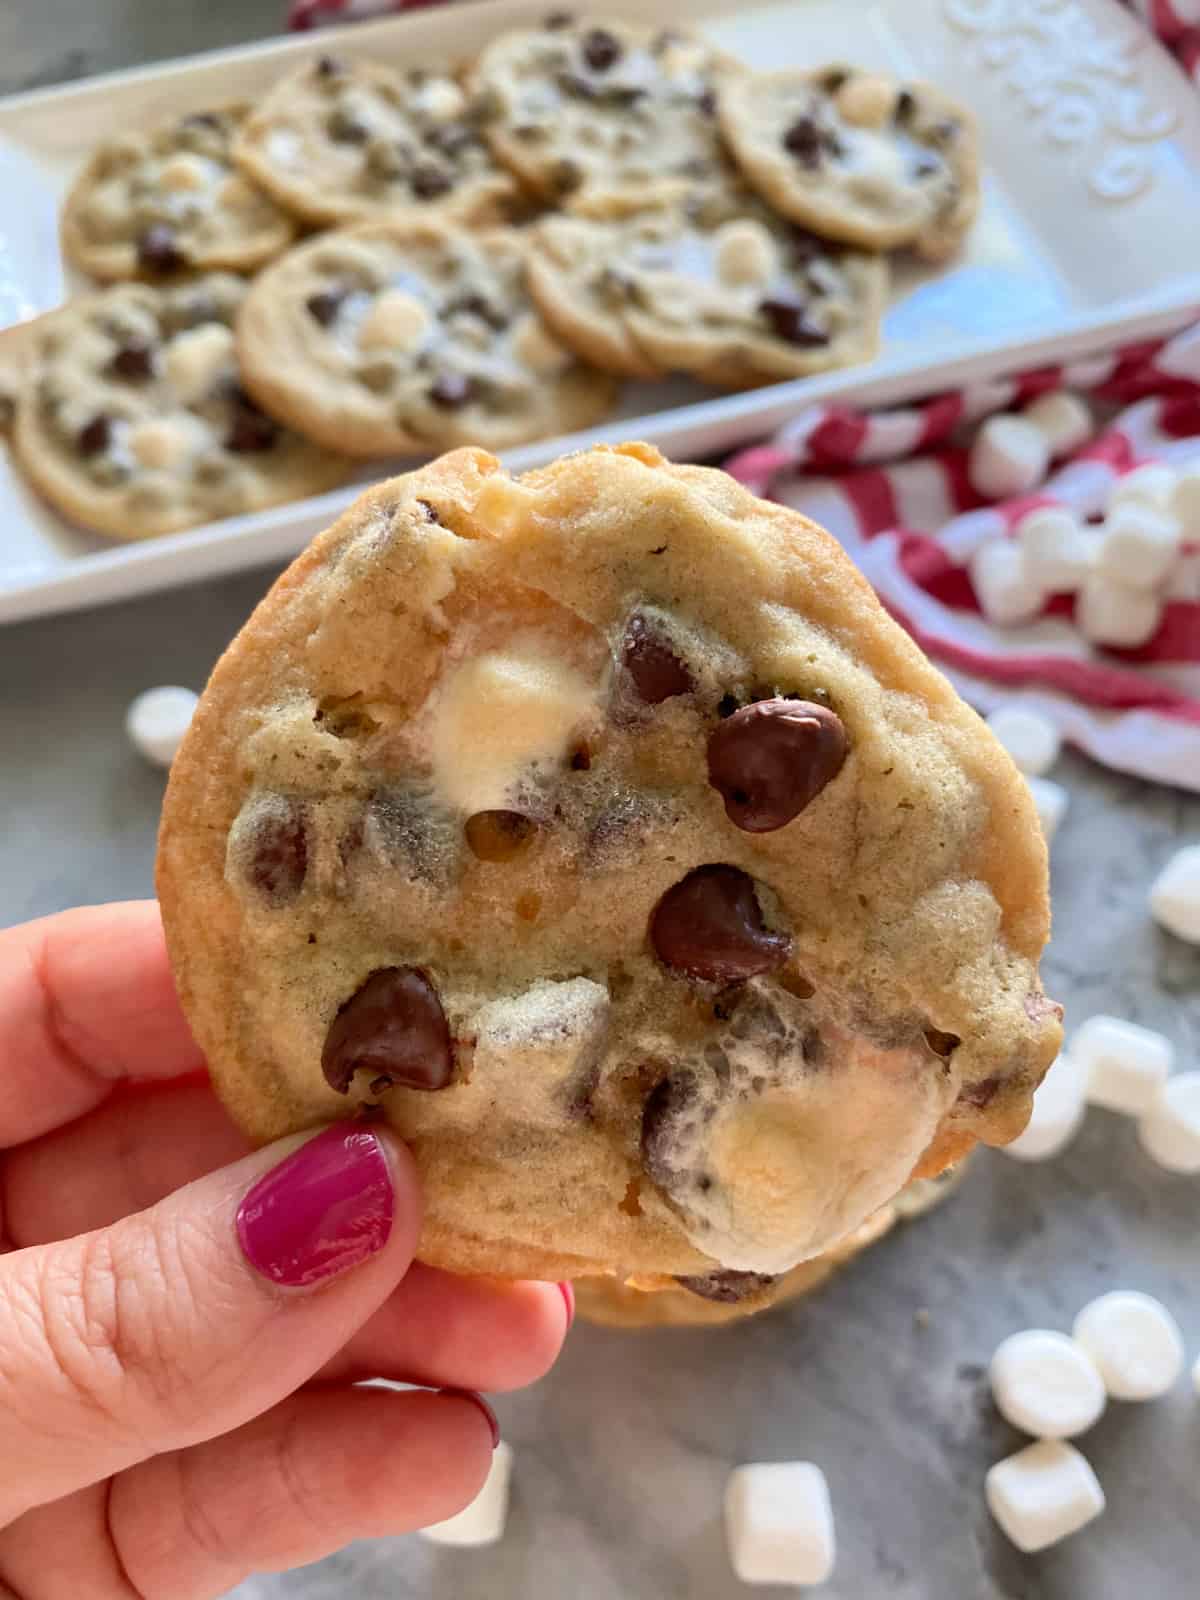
378, 261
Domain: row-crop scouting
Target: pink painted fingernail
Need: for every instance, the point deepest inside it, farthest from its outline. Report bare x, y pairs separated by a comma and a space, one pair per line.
568, 1294
478, 1400
325, 1209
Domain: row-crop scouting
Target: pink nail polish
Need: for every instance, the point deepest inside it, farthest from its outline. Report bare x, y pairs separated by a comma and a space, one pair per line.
477, 1399
568, 1293
325, 1209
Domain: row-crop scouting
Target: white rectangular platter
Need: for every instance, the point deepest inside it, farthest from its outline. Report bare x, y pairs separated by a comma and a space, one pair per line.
1089, 232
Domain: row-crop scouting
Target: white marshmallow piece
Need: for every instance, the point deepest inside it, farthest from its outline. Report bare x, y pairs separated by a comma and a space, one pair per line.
157, 721
1126, 1064
1170, 1130
1009, 457
1059, 551
1184, 504
1043, 1494
1110, 613
779, 1523
1050, 801
1134, 1341
1175, 895
1046, 1384
1152, 484
1059, 1104
1031, 739
1005, 592
1138, 545
482, 1522
1063, 418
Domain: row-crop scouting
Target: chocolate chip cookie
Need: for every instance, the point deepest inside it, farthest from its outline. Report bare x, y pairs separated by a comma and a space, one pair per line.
393, 337
348, 141
714, 285
600, 111
599, 830
857, 155
152, 205
132, 420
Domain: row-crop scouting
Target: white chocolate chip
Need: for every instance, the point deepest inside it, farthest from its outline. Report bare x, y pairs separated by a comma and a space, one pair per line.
441, 100
1031, 739
534, 348
1063, 418
1046, 1384
396, 321
866, 99
185, 171
482, 1522
1126, 1064
1152, 484
1138, 545
1006, 593
1059, 551
1043, 1494
1175, 895
196, 358
1059, 1104
157, 721
744, 253
1050, 801
1009, 457
1134, 1341
1110, 613
158, 443
1170, 1130
779, 1523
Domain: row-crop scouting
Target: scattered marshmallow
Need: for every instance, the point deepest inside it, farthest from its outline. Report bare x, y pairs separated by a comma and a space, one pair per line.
1175, 895
1030, 738
1059, 551
1059, 1104
1170, 1130
1126, 1064
1134, 1341
1009, 457
1112, 613
482, 1522
157, 721
1152, 485
1046, 1384
1044, 1493
1050, 801
1138, 545
1005, 592
1064, 420
1184, 502
779, 1523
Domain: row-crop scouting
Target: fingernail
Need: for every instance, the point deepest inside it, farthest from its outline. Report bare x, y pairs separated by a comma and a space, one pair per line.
568, 1294
477, 1399
323, 1210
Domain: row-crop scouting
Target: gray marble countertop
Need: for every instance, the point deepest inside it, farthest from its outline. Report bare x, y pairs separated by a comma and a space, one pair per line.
622, 1452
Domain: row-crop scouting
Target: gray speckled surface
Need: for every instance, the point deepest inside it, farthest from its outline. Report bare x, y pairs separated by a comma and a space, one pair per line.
623, 1451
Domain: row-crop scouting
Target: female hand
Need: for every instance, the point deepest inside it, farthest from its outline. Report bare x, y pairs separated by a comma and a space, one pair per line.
182, 1322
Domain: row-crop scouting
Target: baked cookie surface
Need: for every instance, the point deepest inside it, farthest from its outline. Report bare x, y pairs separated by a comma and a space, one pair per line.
349, 141
857, 156
152, 205
394, 337
131, 418
599, 830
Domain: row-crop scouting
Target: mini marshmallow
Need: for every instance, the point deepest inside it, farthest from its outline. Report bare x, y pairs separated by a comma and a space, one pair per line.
1046, 1384
1044, 1493
1005, 593
1112, 613
779, 1523
1050, 801
1126, 1064
1184, 503
1009, 457
1152, 485
157, 721
1175, 895
1059, 1104
1063, 418
1030, 738
1059, 551
1134, 1341
1138, 545
1170, 1130
482, 1522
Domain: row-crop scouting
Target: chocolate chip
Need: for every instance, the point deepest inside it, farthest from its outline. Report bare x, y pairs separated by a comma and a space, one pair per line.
926, 166
789, 320
157, 250
324, 305
134, 360
499, 835
707, 102
427, 182
345, 128
803, 140
601, 49
392, 1026
833, 79
201, 119
559, 19
479, 307
727, 1287
906, 104
452, 390
94, 436
771, 759
710, 926
277, 858
250, 430
646, 655
329, 67
567, 176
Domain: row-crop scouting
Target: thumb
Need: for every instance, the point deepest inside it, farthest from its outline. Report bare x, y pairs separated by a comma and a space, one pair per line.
192, 1317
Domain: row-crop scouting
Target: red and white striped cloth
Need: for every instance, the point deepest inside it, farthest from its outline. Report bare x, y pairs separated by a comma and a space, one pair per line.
892, 486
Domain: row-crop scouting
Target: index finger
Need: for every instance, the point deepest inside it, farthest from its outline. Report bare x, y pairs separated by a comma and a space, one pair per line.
86, 1000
